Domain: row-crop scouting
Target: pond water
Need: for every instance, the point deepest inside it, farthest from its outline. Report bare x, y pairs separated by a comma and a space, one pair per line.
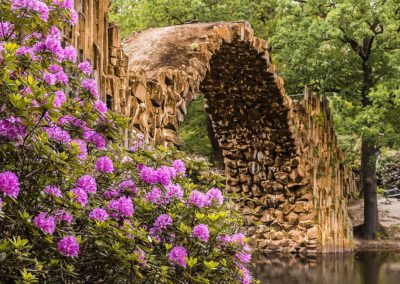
372, 267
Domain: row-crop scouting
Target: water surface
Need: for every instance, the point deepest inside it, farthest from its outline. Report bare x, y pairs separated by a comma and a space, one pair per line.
372, 267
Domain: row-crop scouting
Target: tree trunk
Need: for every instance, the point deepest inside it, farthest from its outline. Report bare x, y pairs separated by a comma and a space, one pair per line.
369, 182
368, 158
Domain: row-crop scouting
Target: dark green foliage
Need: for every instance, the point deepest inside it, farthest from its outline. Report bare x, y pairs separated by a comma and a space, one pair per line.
193, 131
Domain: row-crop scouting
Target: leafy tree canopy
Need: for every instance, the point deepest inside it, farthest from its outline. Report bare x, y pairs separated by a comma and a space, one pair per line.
136, 15
349, 49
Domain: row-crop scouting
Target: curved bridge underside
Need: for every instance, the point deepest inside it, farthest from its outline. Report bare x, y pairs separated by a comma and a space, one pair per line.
280, 156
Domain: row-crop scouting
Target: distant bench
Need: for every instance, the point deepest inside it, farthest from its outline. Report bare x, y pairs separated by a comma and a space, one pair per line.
390, 193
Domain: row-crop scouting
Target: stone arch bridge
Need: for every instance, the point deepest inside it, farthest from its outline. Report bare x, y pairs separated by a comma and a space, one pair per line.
281, 156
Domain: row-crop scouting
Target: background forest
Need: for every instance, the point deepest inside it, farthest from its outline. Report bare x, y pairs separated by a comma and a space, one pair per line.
346, 50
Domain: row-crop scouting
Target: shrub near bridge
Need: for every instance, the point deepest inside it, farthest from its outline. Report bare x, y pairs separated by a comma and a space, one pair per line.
74, 205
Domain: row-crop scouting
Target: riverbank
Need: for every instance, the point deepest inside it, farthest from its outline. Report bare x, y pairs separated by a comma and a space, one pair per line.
389, 218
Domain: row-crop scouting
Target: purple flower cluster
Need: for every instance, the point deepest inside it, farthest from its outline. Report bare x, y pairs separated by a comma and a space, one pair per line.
27, 51
198, 199
68, 4
35, 5
59, 98
9, 184
243, 256
70, 53
246, 276
58, 134
100, 107
82, 148
6, 30
110, 193
162, 175
215, 194
122, 206
161, 223
53, 190
98, 214
179, 166
154, 196
45, 223
173, 191
138, 143
104, 165
127, 186
63, 216
201, 231
11, 129
85, 67
87, 183
91, 86
49, 78
177, 256
80, 196
68, 246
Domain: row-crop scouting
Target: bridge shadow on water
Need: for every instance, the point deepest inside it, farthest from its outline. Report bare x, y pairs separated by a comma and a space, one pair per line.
372, 267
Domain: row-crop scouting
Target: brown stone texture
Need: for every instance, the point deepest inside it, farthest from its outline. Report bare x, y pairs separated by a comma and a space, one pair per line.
98, 40
281, 156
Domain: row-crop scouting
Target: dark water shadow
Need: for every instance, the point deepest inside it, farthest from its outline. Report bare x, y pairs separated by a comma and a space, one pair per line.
372, 267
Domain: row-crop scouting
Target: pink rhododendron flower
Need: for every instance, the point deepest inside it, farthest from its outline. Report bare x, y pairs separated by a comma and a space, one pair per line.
6, 30
243, 256
45, 223
70, 53
91, 86
61, 77
68, 246
215, 194
201, 231
123, 206
179, 167
128, 185
154, 195
9, 184
100, 107
104, 165
59, 98
80, 196
26, 50
110, 193
177, 256
68, 4
173, 191
98, 214
198, 199
11, 129
58, 134
62, 215
85, 67
82, 148
53, 190
87, 183
35, 5
162, 222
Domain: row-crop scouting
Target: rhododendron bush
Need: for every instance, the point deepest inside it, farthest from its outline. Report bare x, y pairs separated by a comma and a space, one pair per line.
75, 205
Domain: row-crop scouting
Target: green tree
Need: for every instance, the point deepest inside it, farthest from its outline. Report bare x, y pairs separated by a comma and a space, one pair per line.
349, 49
136, 15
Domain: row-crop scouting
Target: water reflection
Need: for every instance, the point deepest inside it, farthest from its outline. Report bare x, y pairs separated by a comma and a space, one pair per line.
359, 268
